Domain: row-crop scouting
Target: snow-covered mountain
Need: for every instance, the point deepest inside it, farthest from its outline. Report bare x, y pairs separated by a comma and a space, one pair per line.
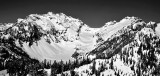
128, 47
131, 48
50, 36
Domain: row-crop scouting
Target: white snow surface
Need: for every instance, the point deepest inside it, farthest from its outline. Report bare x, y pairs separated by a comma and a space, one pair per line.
158, 29
108, 72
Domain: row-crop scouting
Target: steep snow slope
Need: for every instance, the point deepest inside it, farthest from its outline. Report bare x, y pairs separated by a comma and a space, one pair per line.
107, 31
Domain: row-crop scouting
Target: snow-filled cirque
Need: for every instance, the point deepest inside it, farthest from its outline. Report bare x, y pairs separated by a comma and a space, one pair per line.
129, 47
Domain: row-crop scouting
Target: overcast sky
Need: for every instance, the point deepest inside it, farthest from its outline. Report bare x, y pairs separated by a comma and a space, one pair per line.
94, 13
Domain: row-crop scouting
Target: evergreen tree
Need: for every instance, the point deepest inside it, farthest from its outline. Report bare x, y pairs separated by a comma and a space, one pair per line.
102, 68
76, 63
66, 66
62, 66
93, 67
72, 72
69, 65
111, 64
